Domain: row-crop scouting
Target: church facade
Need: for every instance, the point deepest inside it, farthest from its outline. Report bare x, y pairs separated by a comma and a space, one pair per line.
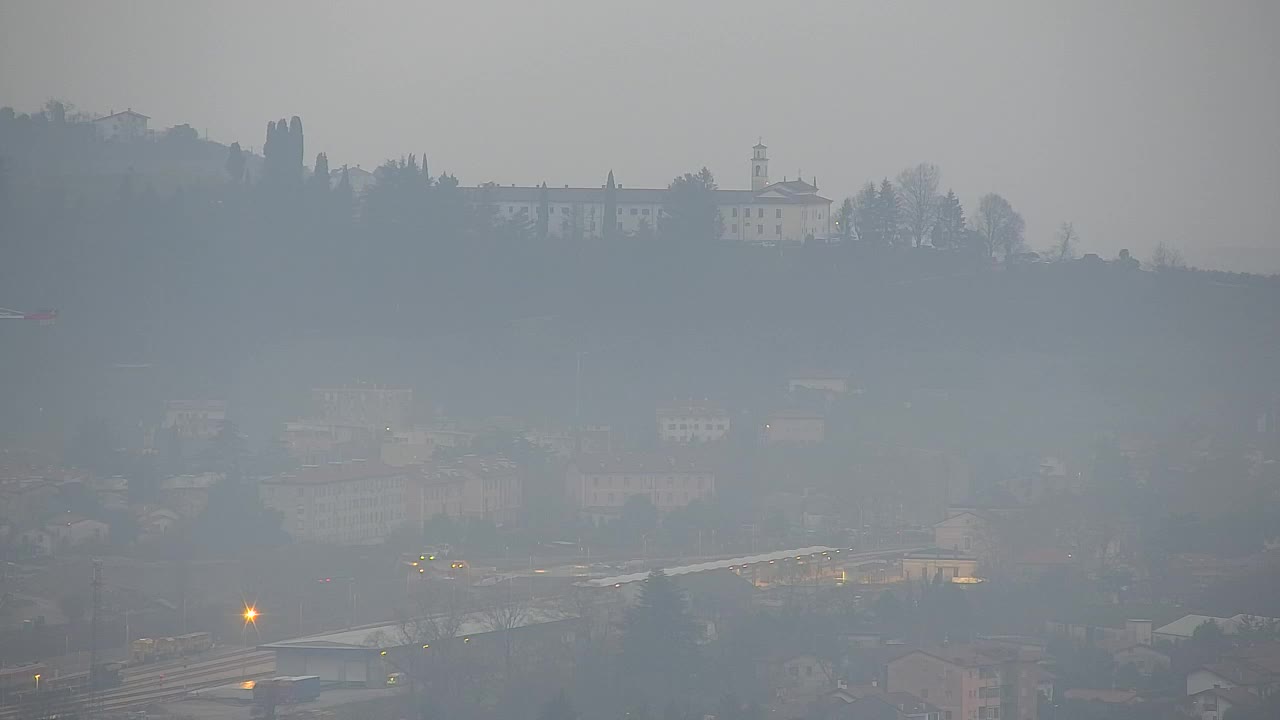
790, 211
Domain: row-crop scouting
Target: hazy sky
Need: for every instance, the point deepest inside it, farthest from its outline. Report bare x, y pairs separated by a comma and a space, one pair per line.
1142, 121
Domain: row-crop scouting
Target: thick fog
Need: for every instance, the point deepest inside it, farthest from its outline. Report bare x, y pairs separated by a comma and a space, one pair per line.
719, 360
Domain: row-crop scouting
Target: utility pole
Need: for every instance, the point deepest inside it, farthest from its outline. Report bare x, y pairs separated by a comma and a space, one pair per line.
94, 622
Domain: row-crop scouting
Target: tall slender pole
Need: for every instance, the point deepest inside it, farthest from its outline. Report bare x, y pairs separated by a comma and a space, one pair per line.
94, 623
577, 391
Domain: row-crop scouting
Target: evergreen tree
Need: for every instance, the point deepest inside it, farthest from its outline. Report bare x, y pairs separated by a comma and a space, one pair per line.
342, 196
866, 211
949, 228
691, 212
271, 152
320, 177
888, 214
544, 212
659, 644
846, 220
235, 163
610, 209
296, 150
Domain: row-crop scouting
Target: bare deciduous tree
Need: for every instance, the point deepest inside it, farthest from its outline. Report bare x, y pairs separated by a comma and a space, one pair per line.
420, 646
999, 225
1064, 245
504, 616
1167, 258
918, 188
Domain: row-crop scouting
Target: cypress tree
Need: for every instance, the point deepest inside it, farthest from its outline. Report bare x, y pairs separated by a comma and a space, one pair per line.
544, 211
235, 163
610, 209
320, 176
296, 149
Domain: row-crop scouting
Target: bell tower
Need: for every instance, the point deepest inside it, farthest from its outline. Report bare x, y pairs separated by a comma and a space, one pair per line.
759, 167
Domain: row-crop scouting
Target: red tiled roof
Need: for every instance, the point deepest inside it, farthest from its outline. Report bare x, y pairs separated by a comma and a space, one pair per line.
635, 462
338, 472
1104, 695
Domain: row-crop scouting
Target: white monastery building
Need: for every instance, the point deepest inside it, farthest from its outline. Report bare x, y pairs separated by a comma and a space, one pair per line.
790, 211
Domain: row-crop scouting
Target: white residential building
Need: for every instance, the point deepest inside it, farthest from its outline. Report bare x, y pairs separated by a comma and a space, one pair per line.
340, 503
600, 484
692, 423
195, 419
127, 125
789, 211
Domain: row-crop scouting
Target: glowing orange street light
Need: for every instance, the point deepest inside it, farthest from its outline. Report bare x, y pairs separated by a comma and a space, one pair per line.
250, 614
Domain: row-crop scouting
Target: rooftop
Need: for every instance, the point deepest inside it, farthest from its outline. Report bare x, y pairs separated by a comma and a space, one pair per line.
1234, 696
643, 463
1104, 695
714, 565
336, 472
796, 414
393, 635
692, 408
128, 112
971, 655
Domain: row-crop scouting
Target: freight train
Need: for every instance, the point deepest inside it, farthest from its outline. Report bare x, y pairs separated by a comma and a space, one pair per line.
145, 650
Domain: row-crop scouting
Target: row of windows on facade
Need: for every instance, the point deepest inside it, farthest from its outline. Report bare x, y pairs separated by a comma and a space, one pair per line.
696, 426
658, 498
733, 212
346, 521
385, 501
348, 488
626, 483
733, 229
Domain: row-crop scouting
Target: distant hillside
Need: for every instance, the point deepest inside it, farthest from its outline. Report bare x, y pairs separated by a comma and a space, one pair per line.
36, 148
1258, 260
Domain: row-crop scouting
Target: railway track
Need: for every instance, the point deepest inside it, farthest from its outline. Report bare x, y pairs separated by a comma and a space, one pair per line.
154, 683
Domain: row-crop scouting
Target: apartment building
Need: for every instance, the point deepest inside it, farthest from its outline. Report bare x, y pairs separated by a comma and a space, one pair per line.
692, 422
472, 486
340, 503
969, 681
600, 484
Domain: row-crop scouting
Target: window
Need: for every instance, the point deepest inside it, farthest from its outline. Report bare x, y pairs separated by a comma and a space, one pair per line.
777, 229
759, 229
644, 211
619, 211
759, 212
757, 171
635, 211
778, 213
619, 226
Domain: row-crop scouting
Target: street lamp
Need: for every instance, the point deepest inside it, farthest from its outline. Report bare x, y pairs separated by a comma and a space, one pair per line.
37, 679
250, 618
